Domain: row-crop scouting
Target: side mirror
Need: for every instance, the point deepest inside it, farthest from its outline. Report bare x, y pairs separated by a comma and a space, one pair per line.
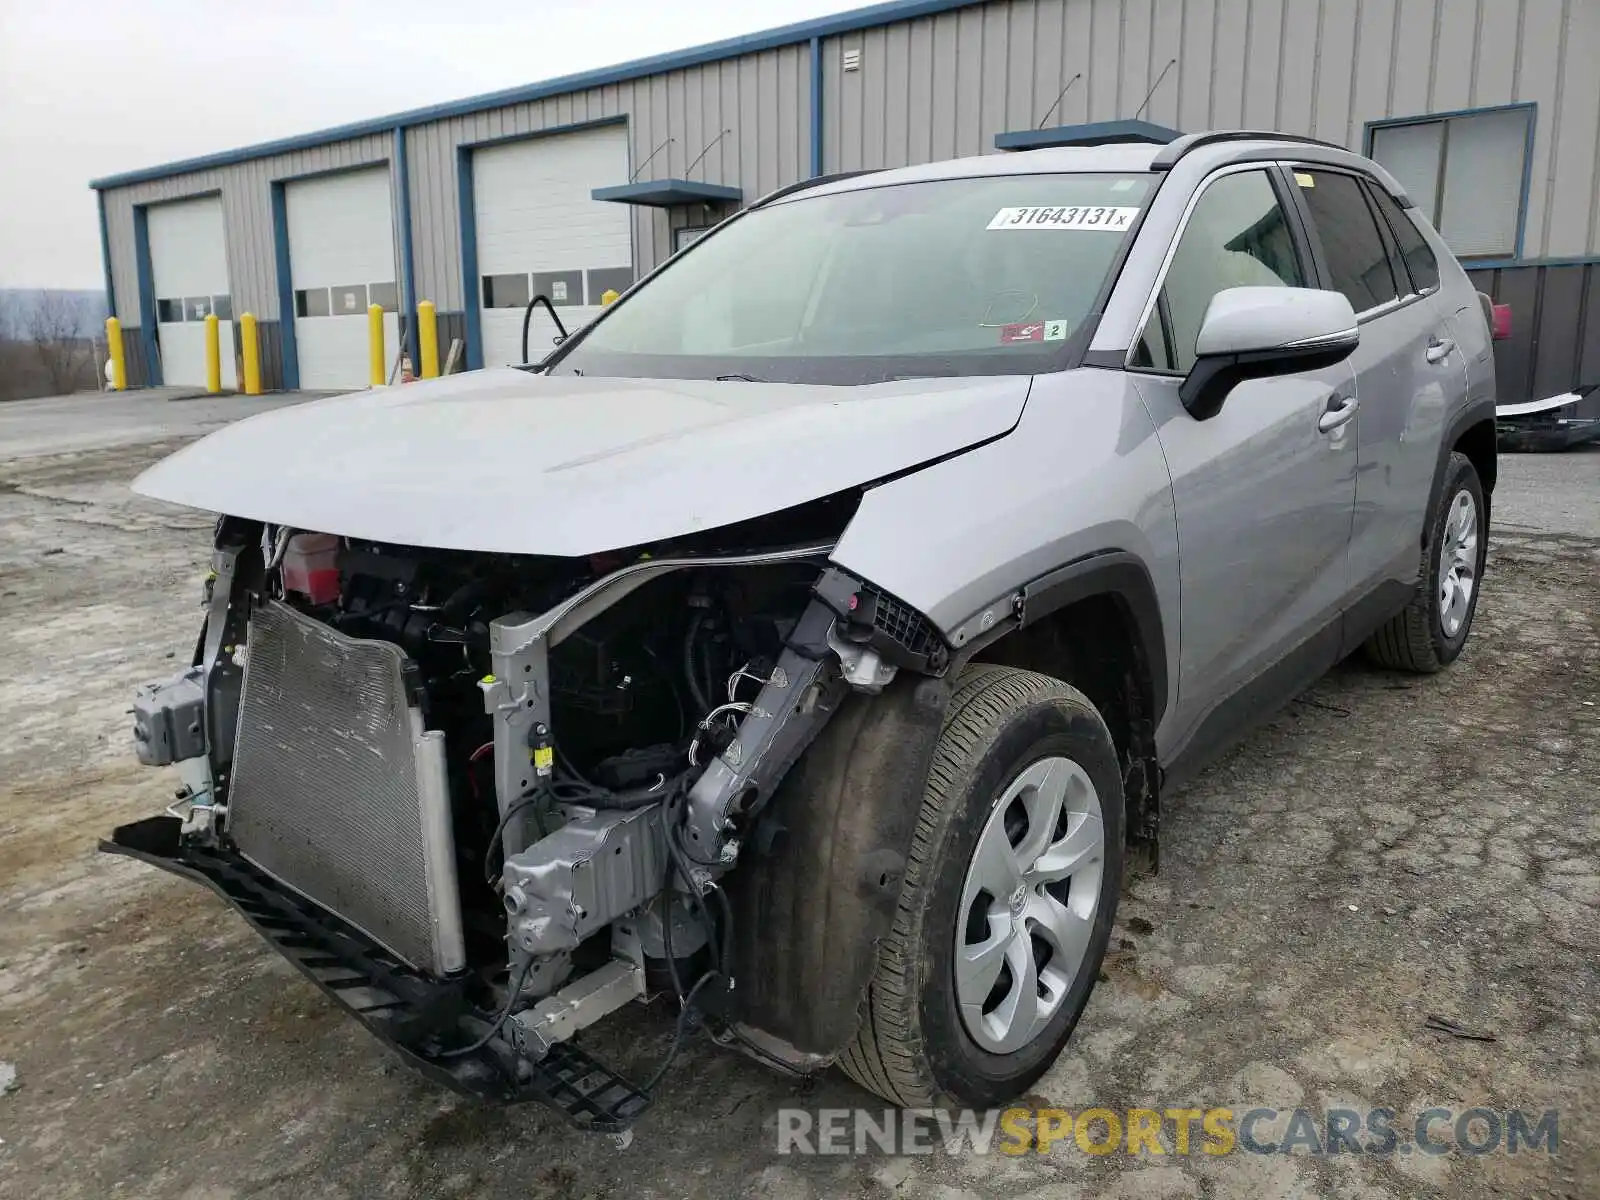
1259, 332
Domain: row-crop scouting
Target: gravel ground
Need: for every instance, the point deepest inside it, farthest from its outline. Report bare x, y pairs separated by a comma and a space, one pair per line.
1386, 849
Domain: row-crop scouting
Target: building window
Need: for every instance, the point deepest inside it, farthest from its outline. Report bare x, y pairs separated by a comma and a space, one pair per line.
385, 295
169, 312
311, 302
563, 287
350, 300
223, 307
608, 279
505, 291
1464, 173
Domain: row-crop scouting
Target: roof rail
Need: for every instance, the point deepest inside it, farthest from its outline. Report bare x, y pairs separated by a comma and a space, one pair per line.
789, 189
1173, 151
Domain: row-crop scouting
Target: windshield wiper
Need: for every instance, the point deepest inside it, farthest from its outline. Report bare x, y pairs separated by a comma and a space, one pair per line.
740, 379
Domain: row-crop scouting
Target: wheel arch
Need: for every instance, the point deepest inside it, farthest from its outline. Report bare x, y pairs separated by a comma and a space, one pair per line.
1096, 623
1472, 433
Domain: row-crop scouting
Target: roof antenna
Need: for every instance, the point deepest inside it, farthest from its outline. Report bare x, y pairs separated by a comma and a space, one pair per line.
1059, 99
689, 170
1170, 64
651, 155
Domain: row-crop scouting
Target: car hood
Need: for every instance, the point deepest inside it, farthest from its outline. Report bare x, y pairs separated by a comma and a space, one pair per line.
509, 462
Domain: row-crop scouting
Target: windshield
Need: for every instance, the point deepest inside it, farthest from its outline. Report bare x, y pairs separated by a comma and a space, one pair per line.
948, 277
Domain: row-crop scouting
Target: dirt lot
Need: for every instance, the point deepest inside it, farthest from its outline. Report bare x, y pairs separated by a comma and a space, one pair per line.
1388, 848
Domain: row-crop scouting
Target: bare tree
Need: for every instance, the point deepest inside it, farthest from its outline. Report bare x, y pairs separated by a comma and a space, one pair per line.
55, 327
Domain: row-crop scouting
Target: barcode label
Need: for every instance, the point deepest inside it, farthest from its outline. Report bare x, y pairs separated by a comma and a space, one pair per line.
1114, 218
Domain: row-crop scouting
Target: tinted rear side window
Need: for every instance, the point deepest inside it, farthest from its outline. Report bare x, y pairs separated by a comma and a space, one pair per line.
1350, 239
1414, 248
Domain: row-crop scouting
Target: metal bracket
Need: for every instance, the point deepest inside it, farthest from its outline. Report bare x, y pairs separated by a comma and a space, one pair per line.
772, 736
577, 1006
517, 697
864, 668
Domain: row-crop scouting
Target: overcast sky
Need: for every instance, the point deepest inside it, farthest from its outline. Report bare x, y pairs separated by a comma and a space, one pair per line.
93, 87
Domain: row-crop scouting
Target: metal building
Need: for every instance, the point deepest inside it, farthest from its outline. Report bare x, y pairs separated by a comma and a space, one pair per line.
1487, 110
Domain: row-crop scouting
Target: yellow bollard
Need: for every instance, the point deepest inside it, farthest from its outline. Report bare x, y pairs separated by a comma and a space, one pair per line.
428, 338
119, 362
251, 342
377, 369
213, 355
608, 296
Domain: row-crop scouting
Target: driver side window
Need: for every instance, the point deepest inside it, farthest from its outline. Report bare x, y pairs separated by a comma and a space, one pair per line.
1236, 236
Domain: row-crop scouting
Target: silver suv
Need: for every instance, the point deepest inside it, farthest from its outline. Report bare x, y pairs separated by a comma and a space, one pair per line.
809, 640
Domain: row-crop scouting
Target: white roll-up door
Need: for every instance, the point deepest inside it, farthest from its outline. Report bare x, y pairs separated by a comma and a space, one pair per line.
341, 259
189, 271
540, 233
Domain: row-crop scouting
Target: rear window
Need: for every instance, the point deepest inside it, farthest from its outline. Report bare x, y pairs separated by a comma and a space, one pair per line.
1414, 248
1351, 243
947, 277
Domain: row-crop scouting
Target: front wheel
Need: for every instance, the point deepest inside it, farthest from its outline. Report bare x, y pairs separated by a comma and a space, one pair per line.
1009, 895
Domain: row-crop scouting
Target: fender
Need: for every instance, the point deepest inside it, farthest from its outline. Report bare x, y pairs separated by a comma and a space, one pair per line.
1115, 573
1476, 413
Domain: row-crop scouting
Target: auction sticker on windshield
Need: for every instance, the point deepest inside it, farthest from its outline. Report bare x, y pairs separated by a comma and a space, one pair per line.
1087, 216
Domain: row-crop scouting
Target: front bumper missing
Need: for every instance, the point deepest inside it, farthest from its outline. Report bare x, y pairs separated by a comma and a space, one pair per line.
404, 1009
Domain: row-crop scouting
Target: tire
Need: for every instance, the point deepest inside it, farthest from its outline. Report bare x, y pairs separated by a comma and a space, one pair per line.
914, 1047
1429, 633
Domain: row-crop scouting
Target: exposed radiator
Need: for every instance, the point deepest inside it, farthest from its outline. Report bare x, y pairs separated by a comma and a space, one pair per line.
338, 790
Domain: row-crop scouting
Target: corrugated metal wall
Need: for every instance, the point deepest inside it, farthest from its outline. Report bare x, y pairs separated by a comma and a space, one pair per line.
764, 99
246, 190
1555, 329
943, 86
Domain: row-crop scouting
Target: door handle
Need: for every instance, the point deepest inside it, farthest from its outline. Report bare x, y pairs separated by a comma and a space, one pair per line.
1439, 349
1340, 409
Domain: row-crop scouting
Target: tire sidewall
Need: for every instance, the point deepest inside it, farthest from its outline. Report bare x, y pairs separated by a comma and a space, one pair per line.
1462, 478
962, 1070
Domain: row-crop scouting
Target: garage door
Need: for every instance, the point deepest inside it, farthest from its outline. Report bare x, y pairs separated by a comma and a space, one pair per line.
189, 268
539, 232
341, 259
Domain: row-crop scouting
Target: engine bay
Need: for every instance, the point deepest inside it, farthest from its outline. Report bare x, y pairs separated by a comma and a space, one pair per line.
520, 781
640, 696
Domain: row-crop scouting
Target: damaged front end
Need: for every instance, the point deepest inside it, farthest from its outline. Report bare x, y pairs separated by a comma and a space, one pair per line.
485, 800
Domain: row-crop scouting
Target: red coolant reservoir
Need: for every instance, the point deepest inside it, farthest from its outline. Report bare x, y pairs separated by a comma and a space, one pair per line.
311, 567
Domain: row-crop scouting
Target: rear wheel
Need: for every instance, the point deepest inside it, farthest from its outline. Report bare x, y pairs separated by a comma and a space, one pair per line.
1010, 890
1431, 631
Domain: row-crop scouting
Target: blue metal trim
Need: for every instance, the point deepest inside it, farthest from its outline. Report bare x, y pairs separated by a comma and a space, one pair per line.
1528, 106
787, 35
280, 254
408, 292
105, 255
1518, 264
467, 215
1527, 177
663, 193
147, 296
1095, 133
816, 106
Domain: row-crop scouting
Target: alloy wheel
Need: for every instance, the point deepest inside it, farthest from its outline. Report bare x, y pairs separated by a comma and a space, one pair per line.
1458, 563
1028, 904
